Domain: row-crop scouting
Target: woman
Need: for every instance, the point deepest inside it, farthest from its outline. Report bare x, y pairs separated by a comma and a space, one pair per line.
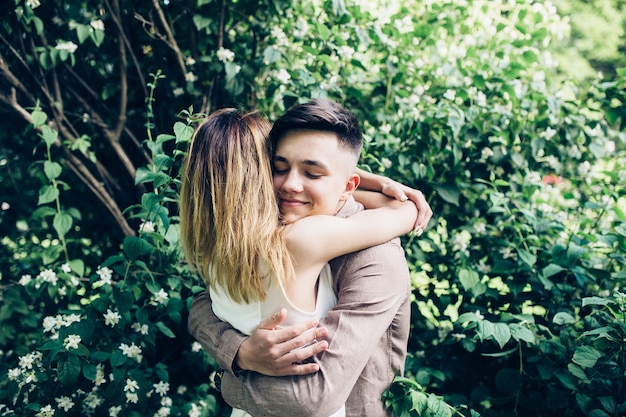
231, 233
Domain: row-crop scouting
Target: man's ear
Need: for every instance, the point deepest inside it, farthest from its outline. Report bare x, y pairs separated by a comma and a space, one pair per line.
353, 183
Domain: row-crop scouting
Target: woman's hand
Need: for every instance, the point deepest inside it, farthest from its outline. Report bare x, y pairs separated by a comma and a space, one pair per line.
402, 192
394, 189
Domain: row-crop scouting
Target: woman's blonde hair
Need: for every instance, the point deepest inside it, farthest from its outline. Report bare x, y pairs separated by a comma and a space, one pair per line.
228, 211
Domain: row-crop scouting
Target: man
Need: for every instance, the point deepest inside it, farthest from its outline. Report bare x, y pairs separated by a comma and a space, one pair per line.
366, 333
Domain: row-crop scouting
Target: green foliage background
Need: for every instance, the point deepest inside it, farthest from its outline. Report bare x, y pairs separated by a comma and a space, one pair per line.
518, 301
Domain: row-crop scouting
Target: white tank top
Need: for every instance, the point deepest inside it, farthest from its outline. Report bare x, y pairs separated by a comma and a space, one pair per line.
246, 317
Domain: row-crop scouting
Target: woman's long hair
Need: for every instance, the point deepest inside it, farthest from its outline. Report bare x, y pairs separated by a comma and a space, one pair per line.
228, 211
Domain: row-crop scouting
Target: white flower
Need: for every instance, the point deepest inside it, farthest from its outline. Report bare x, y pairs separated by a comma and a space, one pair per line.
71, 342
147, 226
190, 61
132, 351
162, 388
190, 77
5, 206
140, 328
65, 403
66, 46
450, 95
195, 411
178, 92
131, 385
160, 297
99, 379
105, 275
33, 4
14, 374
163, 412
27, 361
584, 168
49, 275
70, 319
283, 76
279, 36
92, 400
166, 402
481, 99
196, 347
66, 268
25, 280
114, 411
385, 129
181, 390
111, 318
480, 227
225, 55
132, 397
548, 133
508, 253
46, 411
483, 267
97, 24
345, 51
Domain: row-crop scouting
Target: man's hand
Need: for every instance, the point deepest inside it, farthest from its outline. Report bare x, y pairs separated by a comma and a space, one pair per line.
275, 351
402, 192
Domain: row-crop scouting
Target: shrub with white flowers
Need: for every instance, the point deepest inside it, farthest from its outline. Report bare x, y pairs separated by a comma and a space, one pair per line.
517, 284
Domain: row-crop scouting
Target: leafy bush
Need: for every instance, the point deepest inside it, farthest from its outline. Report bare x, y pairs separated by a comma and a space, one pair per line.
517, 285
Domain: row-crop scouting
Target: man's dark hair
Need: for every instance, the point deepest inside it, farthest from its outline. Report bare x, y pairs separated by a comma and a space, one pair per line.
323, 115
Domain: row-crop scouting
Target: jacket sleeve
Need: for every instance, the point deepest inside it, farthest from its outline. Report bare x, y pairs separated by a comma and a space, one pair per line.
374, 284
218, 338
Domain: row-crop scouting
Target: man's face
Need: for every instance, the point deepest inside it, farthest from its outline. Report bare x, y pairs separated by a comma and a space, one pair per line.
312, 174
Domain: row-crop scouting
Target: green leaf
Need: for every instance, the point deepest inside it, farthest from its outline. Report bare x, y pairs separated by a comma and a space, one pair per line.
165, 330
527, 257
468, 317
39, 118
62, 223
68, 370
437, 407
117, 358
123, 299
82, 32
52, 169
135, 247
450, 194
183, 132
552, 269
97, 37
49, 135
586, 356
502, 334
78, 267
520, 332
595, 301
322, 31
562, 318
508, 381
468, 278
47, 194
485, 330
270, 55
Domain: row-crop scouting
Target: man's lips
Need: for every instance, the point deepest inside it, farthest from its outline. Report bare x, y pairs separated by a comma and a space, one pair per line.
285, 202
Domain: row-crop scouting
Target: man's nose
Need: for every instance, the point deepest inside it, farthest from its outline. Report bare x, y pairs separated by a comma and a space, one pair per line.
293, 182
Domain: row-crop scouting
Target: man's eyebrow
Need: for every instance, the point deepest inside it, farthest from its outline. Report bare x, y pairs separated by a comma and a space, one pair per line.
309, 162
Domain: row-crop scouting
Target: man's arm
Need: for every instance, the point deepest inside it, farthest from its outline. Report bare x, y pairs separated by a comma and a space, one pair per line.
218, 338
276, 352
374, 284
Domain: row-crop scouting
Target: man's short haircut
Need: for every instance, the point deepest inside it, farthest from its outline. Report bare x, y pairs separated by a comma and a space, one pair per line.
321, 115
